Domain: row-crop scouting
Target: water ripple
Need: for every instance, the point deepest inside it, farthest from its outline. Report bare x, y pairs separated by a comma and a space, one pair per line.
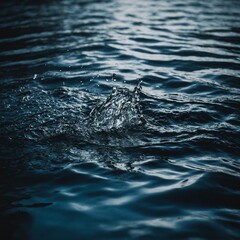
83, 154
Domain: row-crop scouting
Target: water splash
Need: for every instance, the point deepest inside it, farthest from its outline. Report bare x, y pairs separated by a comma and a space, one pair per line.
120, 111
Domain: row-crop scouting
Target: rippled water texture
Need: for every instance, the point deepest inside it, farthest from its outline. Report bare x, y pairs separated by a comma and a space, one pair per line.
89, 152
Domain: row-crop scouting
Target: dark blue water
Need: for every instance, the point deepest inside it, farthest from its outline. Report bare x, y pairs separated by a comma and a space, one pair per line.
89, 152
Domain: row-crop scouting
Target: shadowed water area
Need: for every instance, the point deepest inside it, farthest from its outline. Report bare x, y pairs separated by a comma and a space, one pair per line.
119, 119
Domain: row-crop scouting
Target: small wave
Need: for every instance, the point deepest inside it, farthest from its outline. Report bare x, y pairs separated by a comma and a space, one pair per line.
120, 111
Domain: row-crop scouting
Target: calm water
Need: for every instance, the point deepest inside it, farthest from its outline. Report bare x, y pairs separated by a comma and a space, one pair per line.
84, 155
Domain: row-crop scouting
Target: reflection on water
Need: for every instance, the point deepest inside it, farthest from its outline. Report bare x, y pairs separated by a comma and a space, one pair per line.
86, 153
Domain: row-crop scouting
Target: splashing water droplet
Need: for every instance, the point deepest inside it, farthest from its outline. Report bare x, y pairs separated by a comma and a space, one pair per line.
120, 111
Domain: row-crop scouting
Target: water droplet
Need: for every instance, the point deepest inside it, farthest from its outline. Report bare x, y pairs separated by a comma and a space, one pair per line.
119, 111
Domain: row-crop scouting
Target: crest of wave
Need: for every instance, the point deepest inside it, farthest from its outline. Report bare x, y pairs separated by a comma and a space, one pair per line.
119, 112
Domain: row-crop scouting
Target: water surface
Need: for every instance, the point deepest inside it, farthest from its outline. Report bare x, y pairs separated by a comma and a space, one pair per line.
86, 152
